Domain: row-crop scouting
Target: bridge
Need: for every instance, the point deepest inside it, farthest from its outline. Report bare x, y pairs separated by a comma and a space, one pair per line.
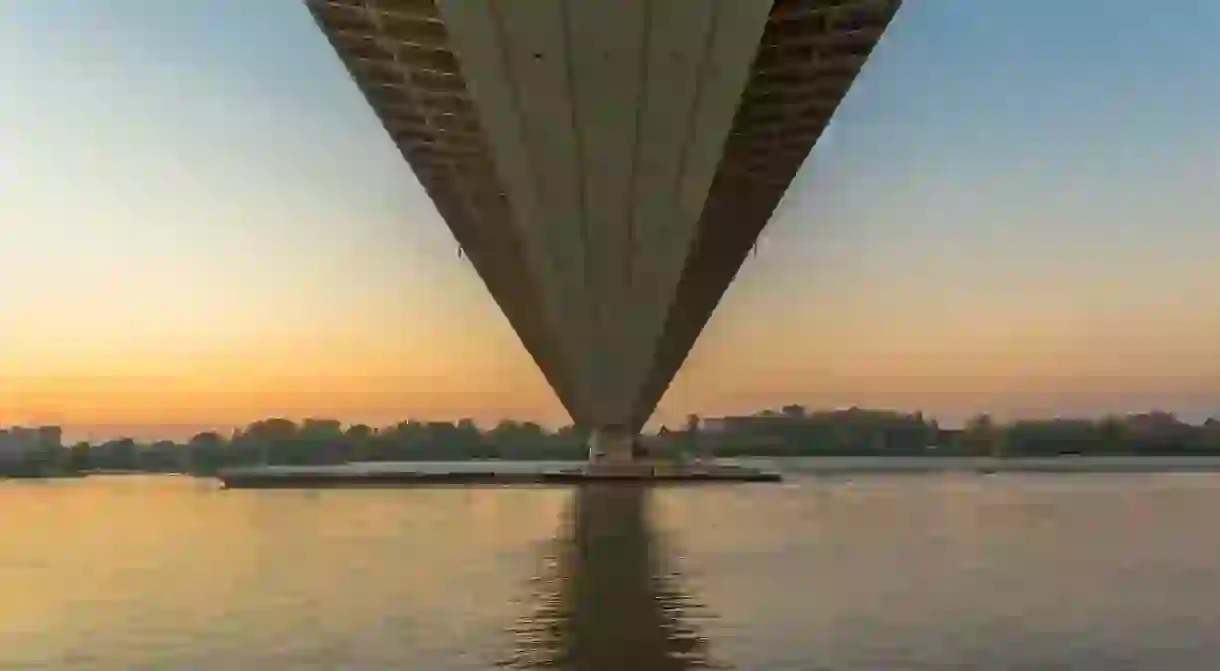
605, 165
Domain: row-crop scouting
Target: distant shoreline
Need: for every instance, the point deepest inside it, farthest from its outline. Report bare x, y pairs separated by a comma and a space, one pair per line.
817, 465
986, 465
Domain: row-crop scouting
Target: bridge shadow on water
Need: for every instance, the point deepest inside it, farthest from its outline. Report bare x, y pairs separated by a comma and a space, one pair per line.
608, 597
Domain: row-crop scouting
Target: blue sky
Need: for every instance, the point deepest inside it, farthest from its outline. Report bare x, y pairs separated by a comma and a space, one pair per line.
202, 223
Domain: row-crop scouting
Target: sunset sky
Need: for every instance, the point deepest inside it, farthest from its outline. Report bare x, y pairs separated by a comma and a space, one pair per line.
202, 223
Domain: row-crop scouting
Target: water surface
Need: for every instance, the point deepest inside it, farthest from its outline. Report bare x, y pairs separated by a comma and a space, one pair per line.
873, 572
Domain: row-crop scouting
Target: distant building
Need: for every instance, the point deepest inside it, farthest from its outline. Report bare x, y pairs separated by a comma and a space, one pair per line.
746, 423
10, 450
438, 427
713, 425
322, 427
50, 437
17, 442
1153, 423
946, 437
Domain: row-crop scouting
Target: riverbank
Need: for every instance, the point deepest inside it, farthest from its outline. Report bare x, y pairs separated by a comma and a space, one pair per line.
727, 470
524, 470
1064, 464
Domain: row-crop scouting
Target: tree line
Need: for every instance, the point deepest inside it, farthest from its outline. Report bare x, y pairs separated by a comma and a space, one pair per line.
789, 431
794, 431
311, 442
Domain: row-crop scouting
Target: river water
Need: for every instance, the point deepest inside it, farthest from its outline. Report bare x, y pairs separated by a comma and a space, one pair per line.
953, 571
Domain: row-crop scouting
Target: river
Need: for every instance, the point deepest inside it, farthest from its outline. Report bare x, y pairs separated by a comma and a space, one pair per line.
933, 571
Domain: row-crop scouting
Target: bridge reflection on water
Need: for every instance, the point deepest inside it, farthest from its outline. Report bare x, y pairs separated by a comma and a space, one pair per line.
609, 597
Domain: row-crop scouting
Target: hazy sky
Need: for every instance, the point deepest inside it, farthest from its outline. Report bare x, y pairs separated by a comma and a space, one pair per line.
202, 223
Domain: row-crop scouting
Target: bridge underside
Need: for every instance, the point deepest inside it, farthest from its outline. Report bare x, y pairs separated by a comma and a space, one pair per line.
605, 165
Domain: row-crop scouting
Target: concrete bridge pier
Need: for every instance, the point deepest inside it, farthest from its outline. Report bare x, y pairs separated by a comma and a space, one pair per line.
612, 445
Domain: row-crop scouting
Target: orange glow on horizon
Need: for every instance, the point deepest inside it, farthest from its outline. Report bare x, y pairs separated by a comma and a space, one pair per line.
940, 365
